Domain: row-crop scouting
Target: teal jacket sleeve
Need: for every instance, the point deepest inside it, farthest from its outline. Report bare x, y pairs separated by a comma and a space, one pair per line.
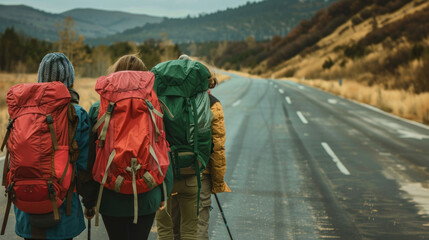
82, 138
87, 187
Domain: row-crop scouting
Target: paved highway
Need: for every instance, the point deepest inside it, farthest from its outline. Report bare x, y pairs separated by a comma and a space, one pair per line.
305, 164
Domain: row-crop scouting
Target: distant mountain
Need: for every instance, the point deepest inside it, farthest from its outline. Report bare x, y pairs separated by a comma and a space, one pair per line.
113, 20
259, 19
90, 23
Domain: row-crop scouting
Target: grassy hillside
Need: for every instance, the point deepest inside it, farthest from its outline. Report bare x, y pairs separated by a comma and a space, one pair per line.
390, 49
383, 60
262, 20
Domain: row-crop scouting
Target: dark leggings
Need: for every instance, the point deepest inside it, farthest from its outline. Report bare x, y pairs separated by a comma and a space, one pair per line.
123, 228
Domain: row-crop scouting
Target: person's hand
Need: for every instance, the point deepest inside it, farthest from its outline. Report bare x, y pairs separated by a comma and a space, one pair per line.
89, 213
162, 207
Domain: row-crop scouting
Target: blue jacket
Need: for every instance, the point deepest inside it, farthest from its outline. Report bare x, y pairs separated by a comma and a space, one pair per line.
69, 226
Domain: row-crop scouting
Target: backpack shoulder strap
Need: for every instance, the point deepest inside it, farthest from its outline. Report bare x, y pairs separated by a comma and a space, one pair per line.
104, 119
73, 121
6, 213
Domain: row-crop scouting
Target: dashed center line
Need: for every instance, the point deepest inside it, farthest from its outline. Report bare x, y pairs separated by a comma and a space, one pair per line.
332, 101
336, 160
303, 120
275, 86
236, 103
288, 100
281, 91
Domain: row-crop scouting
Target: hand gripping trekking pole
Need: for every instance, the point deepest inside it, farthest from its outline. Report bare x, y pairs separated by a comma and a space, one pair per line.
223, 216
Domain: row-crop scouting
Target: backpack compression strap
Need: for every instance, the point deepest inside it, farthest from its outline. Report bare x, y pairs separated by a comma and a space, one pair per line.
5, 168
197, 154
106, 119
133, 169
51, 190
6, 137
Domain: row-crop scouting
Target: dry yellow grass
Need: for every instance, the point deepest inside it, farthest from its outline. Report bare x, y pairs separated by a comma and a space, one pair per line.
222, 77
399, 102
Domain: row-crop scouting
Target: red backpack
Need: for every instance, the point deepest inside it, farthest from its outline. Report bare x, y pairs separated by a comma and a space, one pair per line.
132, 152
41, 152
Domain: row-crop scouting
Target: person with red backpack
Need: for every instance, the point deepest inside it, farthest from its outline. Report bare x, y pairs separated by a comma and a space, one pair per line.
47, 147
128, 151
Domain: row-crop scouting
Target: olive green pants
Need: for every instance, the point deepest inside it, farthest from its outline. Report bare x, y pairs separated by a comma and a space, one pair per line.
205, 205
183, 203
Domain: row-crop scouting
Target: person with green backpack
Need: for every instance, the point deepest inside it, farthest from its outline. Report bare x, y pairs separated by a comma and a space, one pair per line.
182, 86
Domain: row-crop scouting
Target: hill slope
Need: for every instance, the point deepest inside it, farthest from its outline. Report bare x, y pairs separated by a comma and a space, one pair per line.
90, 23
259, 19
113, 20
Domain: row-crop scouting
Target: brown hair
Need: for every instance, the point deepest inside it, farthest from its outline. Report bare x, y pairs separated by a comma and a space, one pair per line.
212, 79
127, 62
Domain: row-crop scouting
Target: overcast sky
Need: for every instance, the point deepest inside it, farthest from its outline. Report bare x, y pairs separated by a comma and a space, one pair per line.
164, 8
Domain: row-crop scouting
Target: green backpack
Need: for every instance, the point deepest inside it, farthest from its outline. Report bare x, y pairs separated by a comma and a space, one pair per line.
181, 86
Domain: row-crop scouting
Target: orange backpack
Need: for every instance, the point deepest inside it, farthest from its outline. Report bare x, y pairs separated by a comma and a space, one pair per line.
132, 152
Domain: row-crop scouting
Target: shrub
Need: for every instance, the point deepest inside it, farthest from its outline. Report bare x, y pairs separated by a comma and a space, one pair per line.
328, 63
355, 51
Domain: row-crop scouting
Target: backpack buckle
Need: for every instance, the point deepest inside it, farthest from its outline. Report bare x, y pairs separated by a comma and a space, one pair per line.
10, 124
49, 119
149, 104
110, 108
51, 189
9, 188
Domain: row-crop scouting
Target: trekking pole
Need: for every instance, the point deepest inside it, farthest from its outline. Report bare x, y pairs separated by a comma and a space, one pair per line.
223, 216
91, 213
89, 229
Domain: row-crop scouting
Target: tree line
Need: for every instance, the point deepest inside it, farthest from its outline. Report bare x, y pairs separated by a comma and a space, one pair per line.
22, 54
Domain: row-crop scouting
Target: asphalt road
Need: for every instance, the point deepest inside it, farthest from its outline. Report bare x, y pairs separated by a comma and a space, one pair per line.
305, 164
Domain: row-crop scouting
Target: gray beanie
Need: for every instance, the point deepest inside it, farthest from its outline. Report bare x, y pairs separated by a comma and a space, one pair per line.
56, 67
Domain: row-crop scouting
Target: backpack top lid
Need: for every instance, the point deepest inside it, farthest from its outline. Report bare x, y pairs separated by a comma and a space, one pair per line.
36, 98
183, 78
125, 84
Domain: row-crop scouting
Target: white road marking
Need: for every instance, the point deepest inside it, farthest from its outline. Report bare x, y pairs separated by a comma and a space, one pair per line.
399, 129
302, 117
288, 100
390, 115
236, 103
332, 101
275, 86
336, 160
301, 87
281, 91
410, 134
271, 83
